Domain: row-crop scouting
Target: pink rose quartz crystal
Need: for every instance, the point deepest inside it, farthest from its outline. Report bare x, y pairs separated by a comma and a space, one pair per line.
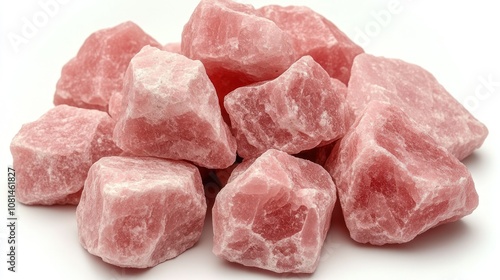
53, 154
170, 110
139, 212
96, 73
314, 35
237, 46
418, 94
297, 111
394, 181
274, 214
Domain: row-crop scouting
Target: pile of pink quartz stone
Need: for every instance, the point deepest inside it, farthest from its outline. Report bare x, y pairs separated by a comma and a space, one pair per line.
275, 104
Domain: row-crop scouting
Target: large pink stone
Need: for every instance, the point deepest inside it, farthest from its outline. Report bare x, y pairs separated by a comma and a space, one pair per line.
139, 212
236, 45
297, 111
418, 94
274, 213
89, 79
394, 182
316, 36
53, 154
170, 110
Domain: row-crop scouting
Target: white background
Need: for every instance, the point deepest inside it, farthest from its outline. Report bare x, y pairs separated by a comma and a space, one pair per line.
456, 41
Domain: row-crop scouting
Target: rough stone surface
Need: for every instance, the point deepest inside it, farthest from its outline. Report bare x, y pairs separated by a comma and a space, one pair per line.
53, 154
299, 110
274, 214
418, 94
236, 45
89, 79
314, 35
171, 111
139, 212
394, 182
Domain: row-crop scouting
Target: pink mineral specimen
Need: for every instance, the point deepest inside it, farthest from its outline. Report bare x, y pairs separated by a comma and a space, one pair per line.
419, 94
139, 212
297, 111
89, 79
171, 111
53, 154
394, 181
236, 45
274, 214
316, 36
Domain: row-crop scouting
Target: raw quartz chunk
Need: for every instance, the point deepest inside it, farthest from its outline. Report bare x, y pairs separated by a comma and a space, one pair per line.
170, 110
314, 35
419, 95
139, 212
53, 154
274, 213
394, 181
297, 111
237, 46
96, 73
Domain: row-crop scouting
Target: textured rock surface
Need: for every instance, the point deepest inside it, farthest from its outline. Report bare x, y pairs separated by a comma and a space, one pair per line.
274, 214
394, 182
297, 111
418, 94
314, 35
53, 154
139, 212
171, 111
237, 46
89, 79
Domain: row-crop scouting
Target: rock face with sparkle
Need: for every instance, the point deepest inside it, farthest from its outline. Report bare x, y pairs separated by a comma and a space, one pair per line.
394, 181
274, 213
139, 212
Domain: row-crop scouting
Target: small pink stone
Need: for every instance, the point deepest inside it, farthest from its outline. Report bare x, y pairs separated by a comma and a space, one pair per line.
139, 212
53, 154
96, 73
394, 181
419, 95
314, 35
297, 111
274, 214
170, 110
